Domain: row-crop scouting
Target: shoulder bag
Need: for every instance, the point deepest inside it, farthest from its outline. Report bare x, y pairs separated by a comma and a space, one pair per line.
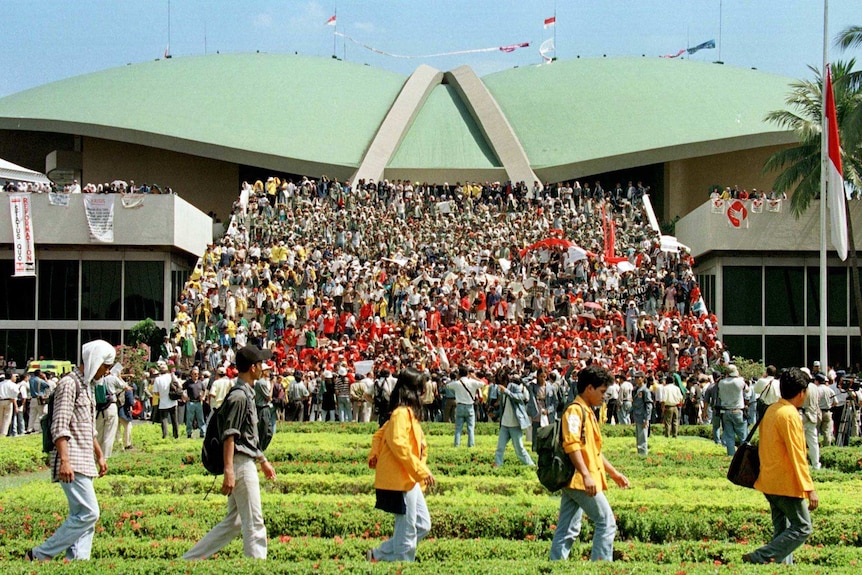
745, 465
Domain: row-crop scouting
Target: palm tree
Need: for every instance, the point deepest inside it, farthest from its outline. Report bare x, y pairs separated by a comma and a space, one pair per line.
851, 37
799, 166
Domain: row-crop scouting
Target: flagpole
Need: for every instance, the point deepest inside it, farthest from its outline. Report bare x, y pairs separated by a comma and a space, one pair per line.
824, 361
555, 28
335, 32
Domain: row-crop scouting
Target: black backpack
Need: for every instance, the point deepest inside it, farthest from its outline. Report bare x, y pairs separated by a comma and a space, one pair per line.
381, 405
45, 420
555, 468
212, 450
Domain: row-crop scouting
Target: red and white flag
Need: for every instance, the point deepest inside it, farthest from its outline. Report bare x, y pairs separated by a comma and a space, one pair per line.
834, 179
549, 22
331, 21
513, 47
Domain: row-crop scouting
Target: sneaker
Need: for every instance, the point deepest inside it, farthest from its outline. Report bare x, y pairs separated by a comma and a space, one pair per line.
747, 558
370, 556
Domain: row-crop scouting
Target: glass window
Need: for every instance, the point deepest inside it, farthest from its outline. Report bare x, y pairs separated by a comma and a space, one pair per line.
743, 304
144, 291
855, 354
785, 350
784, 296
18, 344
747, 346
112, 336
854, 316
17, 295
58, 290
707, 290
178, 282
836, 287
100, 290
836, 349
59, 344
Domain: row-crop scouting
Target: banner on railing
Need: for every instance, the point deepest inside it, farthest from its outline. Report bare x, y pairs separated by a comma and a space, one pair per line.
99, 210
60, 199
23, 244
133, 200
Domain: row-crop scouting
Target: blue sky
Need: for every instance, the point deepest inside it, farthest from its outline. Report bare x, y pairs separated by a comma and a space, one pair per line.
48, 40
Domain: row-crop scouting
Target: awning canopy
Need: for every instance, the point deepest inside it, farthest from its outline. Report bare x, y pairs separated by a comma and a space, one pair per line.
16, 173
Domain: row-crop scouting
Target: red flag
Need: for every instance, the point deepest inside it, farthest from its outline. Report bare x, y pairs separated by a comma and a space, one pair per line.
331, 21
834, 178
513, 47
550, 22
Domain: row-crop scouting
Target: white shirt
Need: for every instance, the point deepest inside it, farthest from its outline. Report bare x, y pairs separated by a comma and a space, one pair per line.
8, 390
162, 386
465, 393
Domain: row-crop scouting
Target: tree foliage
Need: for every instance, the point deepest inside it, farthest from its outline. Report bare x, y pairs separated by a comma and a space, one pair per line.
798, 167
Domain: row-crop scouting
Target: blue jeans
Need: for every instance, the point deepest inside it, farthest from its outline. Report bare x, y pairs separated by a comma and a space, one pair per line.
465, 413
345, 410
75, 535
195, 412
791, 526
641, 434
573, 504
517, 437
735, 429
715, 420
410, 529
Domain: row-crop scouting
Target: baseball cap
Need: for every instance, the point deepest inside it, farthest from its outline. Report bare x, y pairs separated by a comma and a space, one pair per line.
250, 355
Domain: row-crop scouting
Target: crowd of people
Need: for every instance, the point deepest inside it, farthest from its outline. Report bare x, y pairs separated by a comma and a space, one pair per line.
114, 187
332, 276
522, 305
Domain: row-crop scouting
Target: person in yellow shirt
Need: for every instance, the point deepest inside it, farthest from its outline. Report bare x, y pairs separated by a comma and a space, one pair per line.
784, 477
398, 455
582, 440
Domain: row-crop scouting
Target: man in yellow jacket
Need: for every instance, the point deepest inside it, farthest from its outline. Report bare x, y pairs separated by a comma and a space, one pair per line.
582, 440
784, 477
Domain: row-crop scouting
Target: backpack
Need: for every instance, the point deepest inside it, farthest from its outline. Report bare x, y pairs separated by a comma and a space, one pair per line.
381, 404
100, 393
212, 450
176, 389
554, 467
45, 421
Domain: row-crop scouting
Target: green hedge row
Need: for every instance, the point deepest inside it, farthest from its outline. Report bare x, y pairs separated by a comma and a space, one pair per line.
340, 567
161, 517
309, 549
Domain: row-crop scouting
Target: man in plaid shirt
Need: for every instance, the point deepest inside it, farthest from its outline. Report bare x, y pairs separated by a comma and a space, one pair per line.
77, 457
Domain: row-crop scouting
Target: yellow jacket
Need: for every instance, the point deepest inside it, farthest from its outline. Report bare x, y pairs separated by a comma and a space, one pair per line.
401, 452
578, 414
783, 463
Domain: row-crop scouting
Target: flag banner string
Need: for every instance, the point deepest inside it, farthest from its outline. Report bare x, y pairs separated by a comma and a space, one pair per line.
708, 45
509, 48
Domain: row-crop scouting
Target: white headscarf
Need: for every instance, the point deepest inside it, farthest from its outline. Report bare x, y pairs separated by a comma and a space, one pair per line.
94, 354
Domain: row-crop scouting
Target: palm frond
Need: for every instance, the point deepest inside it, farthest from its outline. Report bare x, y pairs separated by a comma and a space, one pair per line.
849, 37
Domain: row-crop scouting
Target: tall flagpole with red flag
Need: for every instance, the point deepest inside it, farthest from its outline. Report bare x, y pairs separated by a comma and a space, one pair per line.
832, 193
